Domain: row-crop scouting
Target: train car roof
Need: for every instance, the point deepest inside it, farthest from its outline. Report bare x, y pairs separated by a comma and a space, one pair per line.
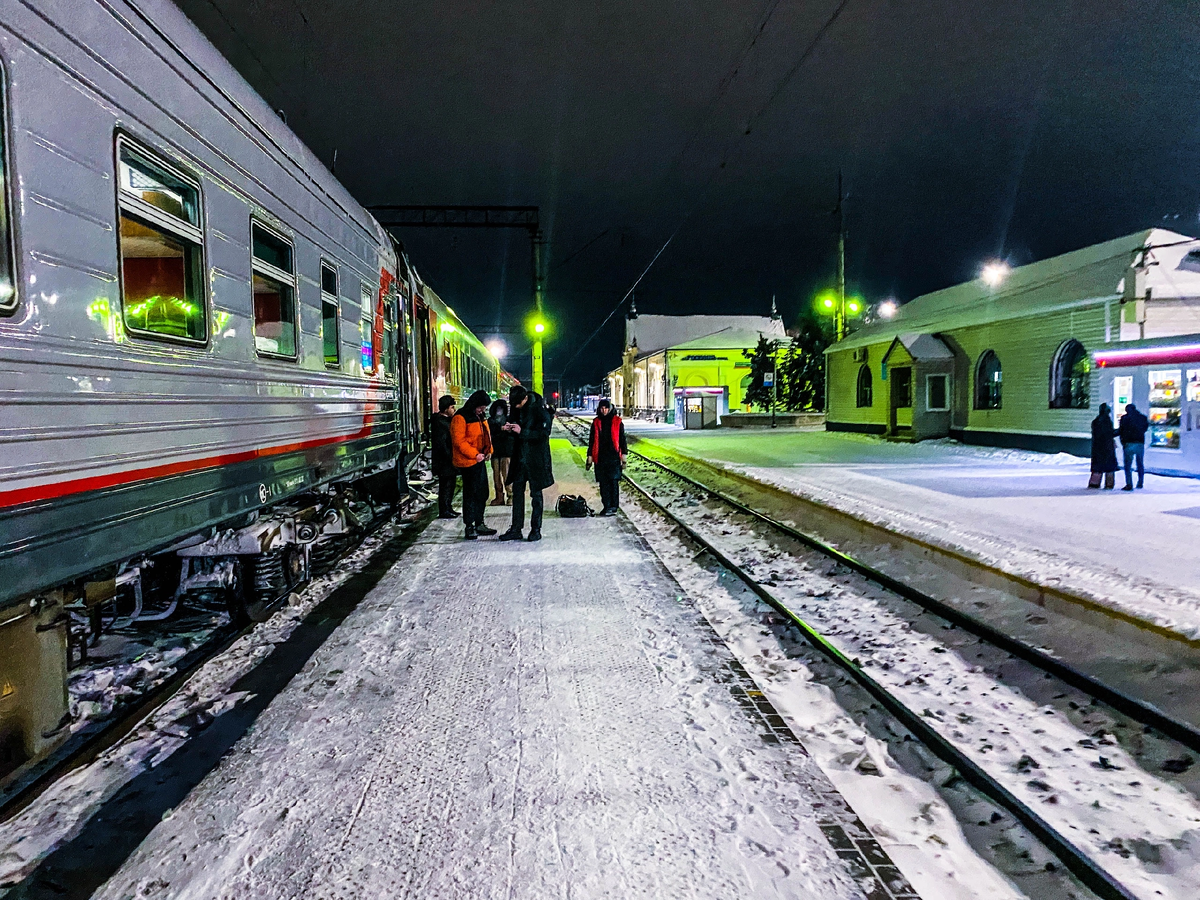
216, 74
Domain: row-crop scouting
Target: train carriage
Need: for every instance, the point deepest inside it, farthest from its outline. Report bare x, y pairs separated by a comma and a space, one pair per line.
208, 349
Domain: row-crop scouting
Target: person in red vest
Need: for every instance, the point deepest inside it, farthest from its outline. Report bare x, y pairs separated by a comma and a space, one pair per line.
606, 451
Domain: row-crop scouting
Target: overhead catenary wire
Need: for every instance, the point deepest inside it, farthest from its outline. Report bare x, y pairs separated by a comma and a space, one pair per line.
807, 53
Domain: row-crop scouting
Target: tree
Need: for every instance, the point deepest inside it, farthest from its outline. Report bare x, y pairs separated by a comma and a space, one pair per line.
802, 370
762, 359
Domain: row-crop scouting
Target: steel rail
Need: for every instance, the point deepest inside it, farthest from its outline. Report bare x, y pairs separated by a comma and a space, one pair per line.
1076, 861
1139, 710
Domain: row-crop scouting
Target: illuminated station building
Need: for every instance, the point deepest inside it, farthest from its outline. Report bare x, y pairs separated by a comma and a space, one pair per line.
1024, 357
687, 370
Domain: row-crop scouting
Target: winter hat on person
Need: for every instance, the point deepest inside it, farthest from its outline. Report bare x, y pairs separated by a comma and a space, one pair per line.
476, 400
445, 402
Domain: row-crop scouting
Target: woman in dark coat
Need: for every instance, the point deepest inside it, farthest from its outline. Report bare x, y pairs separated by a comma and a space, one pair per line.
1104, 453
502, 451
530, 424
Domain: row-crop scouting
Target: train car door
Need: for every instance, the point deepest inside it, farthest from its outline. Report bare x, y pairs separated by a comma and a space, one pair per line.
426, 386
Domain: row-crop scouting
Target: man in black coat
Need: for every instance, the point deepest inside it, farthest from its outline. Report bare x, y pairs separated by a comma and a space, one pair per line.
1132, 432
530, 424
442, 463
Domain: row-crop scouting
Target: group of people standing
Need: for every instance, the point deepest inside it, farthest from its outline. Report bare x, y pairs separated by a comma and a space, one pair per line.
1132, 432
514, 436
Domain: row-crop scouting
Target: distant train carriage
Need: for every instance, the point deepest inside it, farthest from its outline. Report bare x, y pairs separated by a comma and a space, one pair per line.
209, 351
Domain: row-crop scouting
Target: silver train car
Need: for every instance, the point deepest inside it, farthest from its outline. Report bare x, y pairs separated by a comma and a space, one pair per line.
211, 355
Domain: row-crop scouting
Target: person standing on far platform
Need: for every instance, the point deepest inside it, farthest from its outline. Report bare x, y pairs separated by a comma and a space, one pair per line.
472, 444
442, 463
606, 451
502, 450
530, 424
1104, 454
1132, 432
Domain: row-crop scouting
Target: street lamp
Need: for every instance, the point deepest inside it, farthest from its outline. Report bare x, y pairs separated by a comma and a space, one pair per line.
497, 348
887, 309
538, 327
994, 272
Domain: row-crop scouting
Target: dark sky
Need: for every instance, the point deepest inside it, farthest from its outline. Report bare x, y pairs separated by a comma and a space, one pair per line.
965, 130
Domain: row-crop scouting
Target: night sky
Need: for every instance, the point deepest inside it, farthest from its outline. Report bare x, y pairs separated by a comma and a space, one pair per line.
965, 131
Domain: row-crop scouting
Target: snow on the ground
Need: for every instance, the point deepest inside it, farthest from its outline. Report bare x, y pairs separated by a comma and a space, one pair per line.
1027, 513
908, 817
501, 720
62, 810
1144, 830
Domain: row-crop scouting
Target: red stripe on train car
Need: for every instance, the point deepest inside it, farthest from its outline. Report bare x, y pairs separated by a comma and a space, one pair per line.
116, 479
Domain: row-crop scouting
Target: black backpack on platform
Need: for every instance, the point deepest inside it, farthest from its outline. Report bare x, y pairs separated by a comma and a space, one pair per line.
572, 507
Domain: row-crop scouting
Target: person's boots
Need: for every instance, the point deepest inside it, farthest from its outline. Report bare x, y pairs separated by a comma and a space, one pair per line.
471, 533
483, 531
534, 536
511, 535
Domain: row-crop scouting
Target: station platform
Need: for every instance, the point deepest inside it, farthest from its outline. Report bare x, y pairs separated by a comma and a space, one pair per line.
517, 720
1027, 513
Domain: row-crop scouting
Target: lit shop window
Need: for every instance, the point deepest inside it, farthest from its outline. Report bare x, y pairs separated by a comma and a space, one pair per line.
161, 248
1193, 386
1166, 394
274, 293
330, 315
8, 283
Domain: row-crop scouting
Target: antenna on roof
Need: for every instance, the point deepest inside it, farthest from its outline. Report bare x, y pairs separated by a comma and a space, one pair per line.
774, 309
632, 314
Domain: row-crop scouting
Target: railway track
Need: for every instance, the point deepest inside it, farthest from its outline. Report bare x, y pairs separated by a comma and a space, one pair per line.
95, 737
1072, 856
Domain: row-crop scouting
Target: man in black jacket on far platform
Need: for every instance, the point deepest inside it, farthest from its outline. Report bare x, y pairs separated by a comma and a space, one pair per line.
1132, 432
442, 463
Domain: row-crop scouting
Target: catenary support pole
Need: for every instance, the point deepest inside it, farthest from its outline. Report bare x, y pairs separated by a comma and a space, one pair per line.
539, 289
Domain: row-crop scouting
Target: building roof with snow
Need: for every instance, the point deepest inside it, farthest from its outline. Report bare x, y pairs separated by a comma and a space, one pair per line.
1168, 266
655, 333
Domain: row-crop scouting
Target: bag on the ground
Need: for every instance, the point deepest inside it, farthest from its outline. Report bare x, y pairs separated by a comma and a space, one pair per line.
572, 507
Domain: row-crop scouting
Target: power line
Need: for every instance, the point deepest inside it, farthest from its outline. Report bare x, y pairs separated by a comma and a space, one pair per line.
621, 302
791, 73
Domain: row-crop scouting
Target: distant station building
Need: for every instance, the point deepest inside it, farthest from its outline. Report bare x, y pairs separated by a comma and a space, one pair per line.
687, 370
1011, 363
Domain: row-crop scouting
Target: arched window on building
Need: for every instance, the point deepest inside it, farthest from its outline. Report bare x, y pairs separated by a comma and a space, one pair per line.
863, 394
987, 381
1071, 377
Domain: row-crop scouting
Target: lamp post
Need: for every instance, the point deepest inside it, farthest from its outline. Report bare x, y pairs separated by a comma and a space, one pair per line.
539, 326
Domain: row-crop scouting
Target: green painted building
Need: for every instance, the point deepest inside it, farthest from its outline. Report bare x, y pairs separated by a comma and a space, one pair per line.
688, 370
1010, 364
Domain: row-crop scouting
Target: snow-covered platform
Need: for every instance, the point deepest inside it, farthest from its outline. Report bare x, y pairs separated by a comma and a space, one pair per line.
1027, 513
517, 720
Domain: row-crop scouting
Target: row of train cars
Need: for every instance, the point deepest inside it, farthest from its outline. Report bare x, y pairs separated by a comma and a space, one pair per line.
214, 363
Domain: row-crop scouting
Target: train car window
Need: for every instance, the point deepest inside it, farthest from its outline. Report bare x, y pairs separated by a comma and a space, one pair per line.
8, 281
161, 247
274, 293
330, 315
366, 326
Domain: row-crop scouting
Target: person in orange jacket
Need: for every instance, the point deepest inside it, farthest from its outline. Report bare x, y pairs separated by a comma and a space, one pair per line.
471, 447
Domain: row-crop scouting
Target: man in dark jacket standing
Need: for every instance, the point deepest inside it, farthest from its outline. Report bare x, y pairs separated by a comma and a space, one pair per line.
530, 424
442, 463
606, 451
1132, 432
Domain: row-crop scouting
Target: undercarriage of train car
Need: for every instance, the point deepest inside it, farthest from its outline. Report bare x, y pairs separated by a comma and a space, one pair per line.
82, 648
